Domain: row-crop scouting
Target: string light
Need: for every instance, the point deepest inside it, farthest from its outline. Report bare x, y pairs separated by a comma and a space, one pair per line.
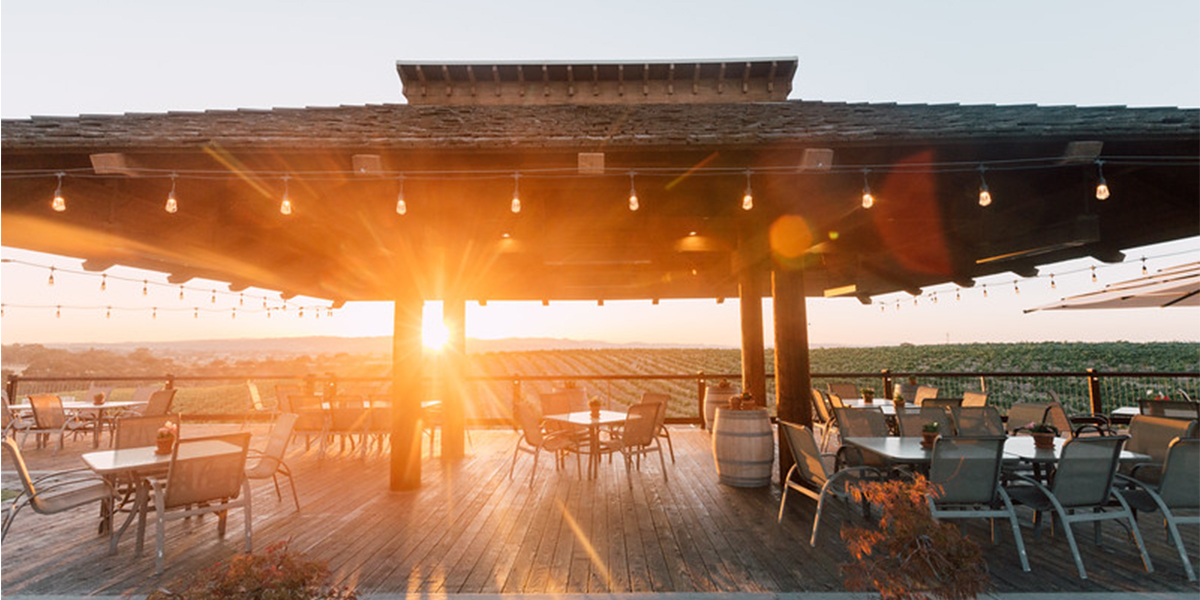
285, 207
214, 296
172, 206
59, 204
957, 294
145, 287
108, 312
1053, 285
1093, 273
1102, 192
104, 282
181, 292
329, 313
748, 198
985, 290
154, 312
1144, 270
1016, 289
195, 312
50, 281
868, 200
633, 199
516, 201
233, 313
241, 299
401, 205
301, 314
985, 196
58, 312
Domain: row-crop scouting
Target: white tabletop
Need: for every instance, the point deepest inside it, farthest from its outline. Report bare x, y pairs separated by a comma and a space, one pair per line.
143, 458
908, 450
82, 405
584, 417
886, 406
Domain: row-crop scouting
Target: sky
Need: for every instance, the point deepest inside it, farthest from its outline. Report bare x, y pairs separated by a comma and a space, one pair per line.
77, 57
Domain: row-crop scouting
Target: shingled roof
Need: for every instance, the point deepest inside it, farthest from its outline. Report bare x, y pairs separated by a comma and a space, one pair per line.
613, 126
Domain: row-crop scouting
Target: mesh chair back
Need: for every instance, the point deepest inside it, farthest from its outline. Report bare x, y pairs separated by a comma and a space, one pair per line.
47, 411
284, 393
967, 469
576, 398
912, 422
192, 480
1086, 469
135, 432
664, 400
160, 403
942, 402
641, 423
977, 421
861, 422
924, 393
820, 409
1179, 487
843, 390
836, 401
1056, 416
527, 420
974, 399
18, 463
1021, 414
1174, 409
1153, 435
142, 394
805, 453
281, 433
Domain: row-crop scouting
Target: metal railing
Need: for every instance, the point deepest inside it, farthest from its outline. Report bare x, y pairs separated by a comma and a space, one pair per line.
490, 398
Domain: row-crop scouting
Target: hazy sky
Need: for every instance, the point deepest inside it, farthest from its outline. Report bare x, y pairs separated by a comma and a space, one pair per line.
70, 58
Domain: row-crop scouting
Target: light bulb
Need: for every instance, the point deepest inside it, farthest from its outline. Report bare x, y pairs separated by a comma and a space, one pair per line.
285, 207
633, 201
108, 313
1053, 285
985, 197
868, 200
145, 287
50, 281
401, 205
516, 201
516, 205
59, 203
748, 198
172, 206
1102, 192
1093, 274
104, 282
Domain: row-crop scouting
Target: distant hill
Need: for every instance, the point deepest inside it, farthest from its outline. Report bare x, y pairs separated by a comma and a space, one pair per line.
349, 345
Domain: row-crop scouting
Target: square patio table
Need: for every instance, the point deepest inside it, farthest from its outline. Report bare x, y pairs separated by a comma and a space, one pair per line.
584, 418
137, 463
885, 405
80, 407
908, 450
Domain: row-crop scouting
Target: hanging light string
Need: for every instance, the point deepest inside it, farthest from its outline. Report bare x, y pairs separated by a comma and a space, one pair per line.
107, 310
1051, 276
146, 284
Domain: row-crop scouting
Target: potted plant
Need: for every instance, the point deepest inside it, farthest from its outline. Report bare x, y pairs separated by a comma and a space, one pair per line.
929, 434
748, 401
98, 399
868, 395
594, 406
1043, 434
165, 439
898, 402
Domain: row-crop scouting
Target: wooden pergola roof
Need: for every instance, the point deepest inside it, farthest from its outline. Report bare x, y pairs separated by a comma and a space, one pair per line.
575, 237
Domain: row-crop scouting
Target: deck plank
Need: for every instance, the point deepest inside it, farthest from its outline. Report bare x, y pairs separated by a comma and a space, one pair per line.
472, 529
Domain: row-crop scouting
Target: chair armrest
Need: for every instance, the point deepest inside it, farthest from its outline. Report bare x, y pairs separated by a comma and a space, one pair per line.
1146, 465
70, 482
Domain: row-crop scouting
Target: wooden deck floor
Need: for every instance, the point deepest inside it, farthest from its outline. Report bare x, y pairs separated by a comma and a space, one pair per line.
471, 529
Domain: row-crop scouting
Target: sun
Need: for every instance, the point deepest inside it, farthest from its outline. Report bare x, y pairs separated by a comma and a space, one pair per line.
434, 333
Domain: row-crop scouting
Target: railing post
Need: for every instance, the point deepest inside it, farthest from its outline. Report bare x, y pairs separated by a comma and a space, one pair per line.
886, 374
516, 397
10, 387
1094, 391
170, 383
700, 399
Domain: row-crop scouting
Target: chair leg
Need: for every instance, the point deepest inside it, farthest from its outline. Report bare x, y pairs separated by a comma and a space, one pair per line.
670, 444
1183, 554
1074, 547
247, 515
817, 519
662, 463
160, 534
275, 480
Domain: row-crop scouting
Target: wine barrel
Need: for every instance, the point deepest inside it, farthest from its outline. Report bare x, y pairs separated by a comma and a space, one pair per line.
743, 446
715, 397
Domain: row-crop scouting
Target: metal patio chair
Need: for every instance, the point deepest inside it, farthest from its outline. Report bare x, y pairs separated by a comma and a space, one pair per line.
1021, 414
661, 426
808, 475
823, 417
56, 492
843, 389
196, 486
859, 422
270, 462
911, 422
50, 419
976, 421
1178, 490
1152, 436
533, 441
1082, 491
638, 436
967, 471
974, 399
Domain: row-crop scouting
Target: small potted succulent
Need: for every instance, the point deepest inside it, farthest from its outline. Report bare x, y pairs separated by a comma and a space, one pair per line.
898, 402
594, 406
929, 434
868, 395
748, 401
98, 398
165, 440
1043, 434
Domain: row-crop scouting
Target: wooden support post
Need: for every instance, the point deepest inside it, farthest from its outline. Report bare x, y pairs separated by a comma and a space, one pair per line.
754, 368
406, 394
1093, 382
793, 382
704, 424
454, 379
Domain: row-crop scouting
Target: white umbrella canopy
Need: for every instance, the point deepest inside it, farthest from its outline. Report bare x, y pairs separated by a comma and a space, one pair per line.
1174, 286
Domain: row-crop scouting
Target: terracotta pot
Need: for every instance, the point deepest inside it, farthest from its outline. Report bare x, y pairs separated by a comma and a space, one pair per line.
164, 445
595, 412
868, 396
1043, 441
927, 439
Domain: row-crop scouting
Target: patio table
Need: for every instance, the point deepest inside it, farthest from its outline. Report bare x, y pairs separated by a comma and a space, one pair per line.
908, 450
136, 464
886, 406
79, 406
584, 418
